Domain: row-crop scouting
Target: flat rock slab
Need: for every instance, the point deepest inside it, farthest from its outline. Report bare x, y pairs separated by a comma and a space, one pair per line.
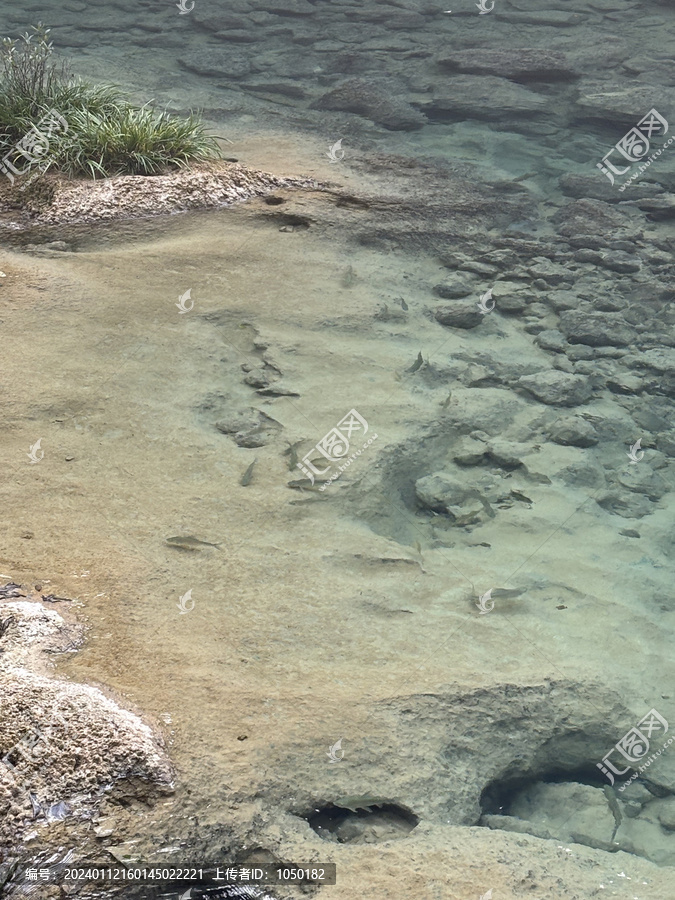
609, 101
557, 388
376, 102
485, 97
517, 65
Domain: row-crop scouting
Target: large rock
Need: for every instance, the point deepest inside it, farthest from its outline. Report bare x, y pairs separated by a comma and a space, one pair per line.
622, 103
460, 314
376, 102
463, 503
597, 187
518, 65
573, 431
594, 218
483, 97
557, 388
595, 329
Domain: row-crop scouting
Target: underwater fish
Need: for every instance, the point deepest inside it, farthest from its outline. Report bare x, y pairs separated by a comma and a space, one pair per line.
292, 453
245, 479
189, 542
404, 305
349, 278
356, 802
304, 484
419, 362
614, 807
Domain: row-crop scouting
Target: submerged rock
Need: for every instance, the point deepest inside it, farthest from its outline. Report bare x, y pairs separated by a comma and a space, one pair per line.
460, 314
375, 102
527, 64
557, 388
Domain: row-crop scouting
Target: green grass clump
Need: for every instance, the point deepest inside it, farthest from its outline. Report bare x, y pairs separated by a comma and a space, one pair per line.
107, 135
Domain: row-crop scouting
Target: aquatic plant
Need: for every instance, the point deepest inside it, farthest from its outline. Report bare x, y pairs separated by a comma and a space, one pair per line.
106, 134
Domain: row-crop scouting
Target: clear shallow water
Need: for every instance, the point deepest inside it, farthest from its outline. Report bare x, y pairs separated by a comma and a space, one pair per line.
351, 615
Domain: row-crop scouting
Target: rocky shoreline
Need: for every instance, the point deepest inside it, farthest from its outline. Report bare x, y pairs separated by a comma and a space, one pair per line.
68, 751
56, 200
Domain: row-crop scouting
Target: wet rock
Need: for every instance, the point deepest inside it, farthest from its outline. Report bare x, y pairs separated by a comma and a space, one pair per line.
625, 504
88, 747
510, 297
598, 187
551, 339
521, 65
557, 388
622, 383
507, 454
550, 272
666, 813
461, 314
469, 452
583, 474
594, 218
595, 329
572, 431
204, 186
483, 97
644, 480
444, 494
453, 289
377, 102
621, 103
617, 261
565, 808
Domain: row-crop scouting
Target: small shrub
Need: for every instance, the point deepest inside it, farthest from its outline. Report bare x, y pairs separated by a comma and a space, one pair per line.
107, 135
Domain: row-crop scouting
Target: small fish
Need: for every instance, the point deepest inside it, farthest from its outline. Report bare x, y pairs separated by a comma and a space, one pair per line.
245, 479
523, 177
518, 496
360, 801
419, 362
404, 305
349, 278
507, 593
614, 807
304, 484
189, 542
292, 453
445, 403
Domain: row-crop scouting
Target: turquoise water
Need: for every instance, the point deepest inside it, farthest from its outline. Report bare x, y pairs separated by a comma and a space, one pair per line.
437, 651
